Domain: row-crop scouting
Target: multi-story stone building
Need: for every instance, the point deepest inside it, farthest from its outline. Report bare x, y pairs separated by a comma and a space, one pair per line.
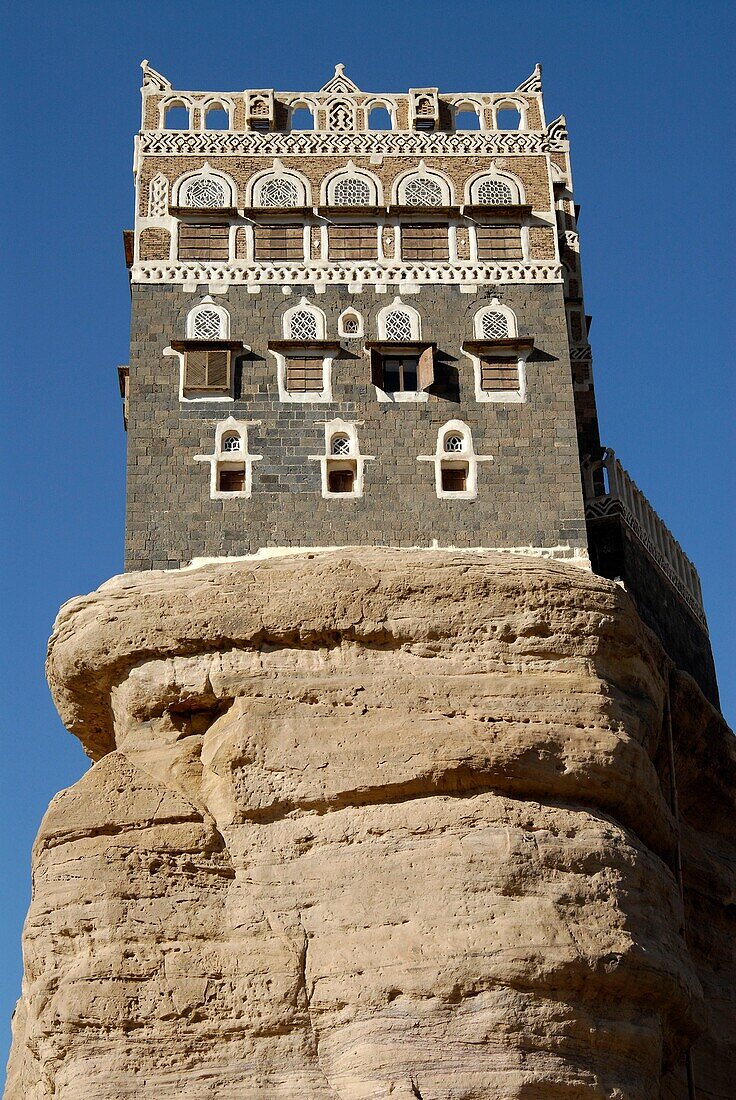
358, 318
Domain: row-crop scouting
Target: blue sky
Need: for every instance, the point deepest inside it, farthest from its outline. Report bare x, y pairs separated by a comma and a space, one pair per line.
645, 88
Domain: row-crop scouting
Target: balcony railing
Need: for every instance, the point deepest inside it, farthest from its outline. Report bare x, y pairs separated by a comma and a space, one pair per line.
608, 490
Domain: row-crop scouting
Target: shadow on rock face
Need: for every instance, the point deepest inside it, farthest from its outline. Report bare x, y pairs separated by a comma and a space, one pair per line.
368, 824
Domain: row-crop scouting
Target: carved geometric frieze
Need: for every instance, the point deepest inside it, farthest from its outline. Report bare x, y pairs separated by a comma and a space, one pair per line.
331, 274
310, 142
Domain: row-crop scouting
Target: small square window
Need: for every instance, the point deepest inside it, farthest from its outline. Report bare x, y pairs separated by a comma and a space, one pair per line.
340, 481
231, 481
454, 479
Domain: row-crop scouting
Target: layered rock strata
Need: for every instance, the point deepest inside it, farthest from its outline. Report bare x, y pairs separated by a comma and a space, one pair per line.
376, 823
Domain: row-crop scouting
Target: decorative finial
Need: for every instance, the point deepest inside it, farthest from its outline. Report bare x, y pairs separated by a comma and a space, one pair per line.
153, 79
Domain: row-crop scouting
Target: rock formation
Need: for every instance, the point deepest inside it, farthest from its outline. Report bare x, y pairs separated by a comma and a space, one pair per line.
375, 823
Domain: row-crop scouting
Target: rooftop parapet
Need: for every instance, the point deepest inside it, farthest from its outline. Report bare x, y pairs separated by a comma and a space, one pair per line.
340, 106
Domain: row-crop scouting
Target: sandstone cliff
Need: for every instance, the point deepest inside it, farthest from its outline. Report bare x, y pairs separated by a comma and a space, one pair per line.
371, 824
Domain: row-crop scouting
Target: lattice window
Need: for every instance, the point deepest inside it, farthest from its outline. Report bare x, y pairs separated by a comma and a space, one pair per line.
350, 325
205, 193
303, 325
422, 191
340, 115
352, 192
454, 443
206, 325
279, 192
340, 445
494, 193
231, 443
495, 326
398, 325
158, 196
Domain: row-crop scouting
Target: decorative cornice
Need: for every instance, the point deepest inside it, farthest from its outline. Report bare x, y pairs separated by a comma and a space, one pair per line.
311, 143
339, 82
359, 274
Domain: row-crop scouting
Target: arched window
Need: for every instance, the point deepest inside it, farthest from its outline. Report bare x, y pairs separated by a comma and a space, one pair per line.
208, 321
422, 191
494, 192
230, 443
204, 192
207, 325
176, 117
340, 445
379, 118
303, 325
216, 118
467, 119
508, 117
351, 191
454, 442
495, 325
279, 192
398, 325
302, 119
350, 324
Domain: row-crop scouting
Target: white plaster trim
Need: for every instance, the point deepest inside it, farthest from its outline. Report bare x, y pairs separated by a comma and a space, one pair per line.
349, 171
415, 319
304, 305
493, 173
208, 304
181, 184
346, 313
278, 171
238, 272
219, 458
310, 397
183, 398
508, 397
466, 456
398, 190
495, 306
570, 555
313, 143
354, 460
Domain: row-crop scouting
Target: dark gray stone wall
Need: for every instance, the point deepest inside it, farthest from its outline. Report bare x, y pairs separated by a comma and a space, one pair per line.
530, 494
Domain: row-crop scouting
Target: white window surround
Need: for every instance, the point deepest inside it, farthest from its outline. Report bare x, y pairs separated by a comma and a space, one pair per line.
215, 104
229, 459
308, 397
207, 304
300, 183
422, 172
346, 315
304, 305
466, 455
354, 460
400, 397
495, 306
220, 399
387, 105
350, 172
516, 396
494, 174
179, 190
176, 101
415, 319
510, 103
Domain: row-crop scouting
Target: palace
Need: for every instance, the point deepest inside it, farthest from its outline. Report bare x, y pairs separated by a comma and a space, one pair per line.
358, 319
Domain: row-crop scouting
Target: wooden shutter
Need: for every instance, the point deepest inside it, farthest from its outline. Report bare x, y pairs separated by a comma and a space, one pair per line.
454, 479
425, 370
499, 242
376, 368
279, 242
231, 481
204, 242
426, 243
499, 374
304, 374
353, 242
218, 364
207, 369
